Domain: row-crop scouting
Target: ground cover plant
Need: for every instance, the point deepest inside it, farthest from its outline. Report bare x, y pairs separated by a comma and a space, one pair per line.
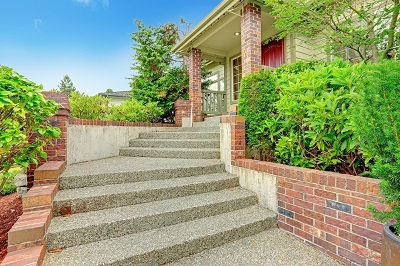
24, 125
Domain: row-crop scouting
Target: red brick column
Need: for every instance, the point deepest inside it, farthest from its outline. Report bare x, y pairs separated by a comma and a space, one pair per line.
238, 134
182, 109
195, 81
58, 152
251, 39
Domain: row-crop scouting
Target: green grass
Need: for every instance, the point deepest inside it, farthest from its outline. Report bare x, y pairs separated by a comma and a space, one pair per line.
10, 187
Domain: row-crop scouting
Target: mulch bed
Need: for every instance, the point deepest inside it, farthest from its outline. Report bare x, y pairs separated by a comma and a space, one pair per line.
10, 210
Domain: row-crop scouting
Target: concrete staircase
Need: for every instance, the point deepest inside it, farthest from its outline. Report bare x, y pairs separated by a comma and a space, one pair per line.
166, 197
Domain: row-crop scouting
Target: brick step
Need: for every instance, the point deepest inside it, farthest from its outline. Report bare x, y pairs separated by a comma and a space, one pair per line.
174, 143
110, 196
93, 226
179, 135
118, 170
162, 245
184, 153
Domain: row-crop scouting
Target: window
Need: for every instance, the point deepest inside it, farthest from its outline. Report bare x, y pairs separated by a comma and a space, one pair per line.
236, 77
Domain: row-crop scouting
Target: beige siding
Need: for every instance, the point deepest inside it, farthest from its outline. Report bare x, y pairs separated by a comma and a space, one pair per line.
309, 49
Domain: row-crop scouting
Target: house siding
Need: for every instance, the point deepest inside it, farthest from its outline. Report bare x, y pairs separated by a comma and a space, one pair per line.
308, 49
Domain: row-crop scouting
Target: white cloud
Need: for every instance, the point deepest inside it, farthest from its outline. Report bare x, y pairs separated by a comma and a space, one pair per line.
93, 3
37, 22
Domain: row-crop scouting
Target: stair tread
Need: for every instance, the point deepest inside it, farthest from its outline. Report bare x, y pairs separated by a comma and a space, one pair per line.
179, 135
127, 164
177, 140
172, 149
89, 192
145, 243
93, 218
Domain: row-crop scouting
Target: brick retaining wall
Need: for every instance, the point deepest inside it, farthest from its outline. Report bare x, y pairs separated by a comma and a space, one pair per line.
327, 210
324, 209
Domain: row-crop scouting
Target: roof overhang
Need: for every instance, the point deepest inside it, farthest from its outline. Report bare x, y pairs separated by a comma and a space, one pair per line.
215, 34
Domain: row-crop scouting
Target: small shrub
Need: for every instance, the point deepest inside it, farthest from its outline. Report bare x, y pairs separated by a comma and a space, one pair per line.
88, 107
256, 103
297, 67
23, 111
135, 111
314, 122
376, 118
9, 187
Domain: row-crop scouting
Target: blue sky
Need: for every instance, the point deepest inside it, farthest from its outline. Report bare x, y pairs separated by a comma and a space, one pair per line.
89, 40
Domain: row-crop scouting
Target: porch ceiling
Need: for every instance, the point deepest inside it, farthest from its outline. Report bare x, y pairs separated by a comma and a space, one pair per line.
215, 35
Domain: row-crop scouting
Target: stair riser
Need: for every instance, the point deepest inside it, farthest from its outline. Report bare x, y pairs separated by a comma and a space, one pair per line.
178, 135
72, 182
159, 257
196, 128
120, 228
174, 144
118, 200
170, 154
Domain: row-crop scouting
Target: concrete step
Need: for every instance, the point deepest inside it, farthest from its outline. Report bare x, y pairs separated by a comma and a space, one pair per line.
93, 226
179, 135
111, 196
163, 245
208, 121
268, 248
174, 143
207, 128
184, 153
119, 170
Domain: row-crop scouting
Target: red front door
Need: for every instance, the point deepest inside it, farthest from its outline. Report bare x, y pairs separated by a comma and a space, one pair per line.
272, 54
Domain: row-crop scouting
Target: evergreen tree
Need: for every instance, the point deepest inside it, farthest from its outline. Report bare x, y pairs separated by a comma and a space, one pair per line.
157, 78
66, 85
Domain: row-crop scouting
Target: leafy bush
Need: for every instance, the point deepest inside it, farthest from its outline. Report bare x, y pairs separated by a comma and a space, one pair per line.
314, 125
88, 107
135, 111
377, 123
256, 103
23, 111
297, 67
9, 187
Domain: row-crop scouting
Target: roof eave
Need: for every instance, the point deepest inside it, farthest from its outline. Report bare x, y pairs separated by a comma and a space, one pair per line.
211, 18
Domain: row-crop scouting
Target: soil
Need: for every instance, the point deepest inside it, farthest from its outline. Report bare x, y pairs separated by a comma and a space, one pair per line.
10, 210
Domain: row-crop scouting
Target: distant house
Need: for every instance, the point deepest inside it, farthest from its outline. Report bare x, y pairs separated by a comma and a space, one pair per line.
233, 39
117, 97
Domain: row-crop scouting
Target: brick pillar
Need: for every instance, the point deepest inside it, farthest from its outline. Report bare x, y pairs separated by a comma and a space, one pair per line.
58, 152
195, 81
251, 39
182, 110
238, 134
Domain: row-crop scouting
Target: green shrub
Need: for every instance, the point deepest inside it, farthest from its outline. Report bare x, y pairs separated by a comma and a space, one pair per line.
135, 111
88, 107
23, 110
314, 121
377, 123
9, 187
256, 103
297, 67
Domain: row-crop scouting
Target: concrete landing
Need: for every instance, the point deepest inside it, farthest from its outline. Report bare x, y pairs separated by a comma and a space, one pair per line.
269, 248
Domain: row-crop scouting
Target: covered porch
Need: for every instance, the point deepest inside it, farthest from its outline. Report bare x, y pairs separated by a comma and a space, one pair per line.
230, 42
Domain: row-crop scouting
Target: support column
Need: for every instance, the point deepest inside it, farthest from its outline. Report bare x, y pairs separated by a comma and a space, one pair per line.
58, 151
195, 81
251, 39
